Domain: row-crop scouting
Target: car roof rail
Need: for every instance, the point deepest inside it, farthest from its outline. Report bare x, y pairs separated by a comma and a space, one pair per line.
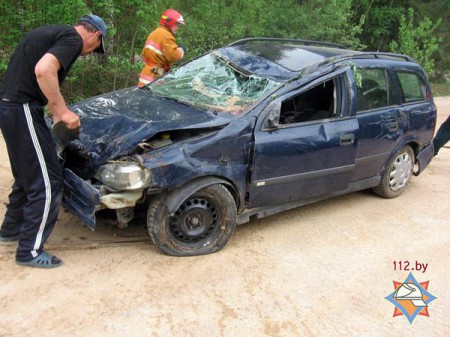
296, 41
377, 55
358, 55
382, 55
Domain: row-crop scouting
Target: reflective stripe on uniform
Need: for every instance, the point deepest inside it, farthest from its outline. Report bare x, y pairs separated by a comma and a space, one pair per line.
154, 47
145, 79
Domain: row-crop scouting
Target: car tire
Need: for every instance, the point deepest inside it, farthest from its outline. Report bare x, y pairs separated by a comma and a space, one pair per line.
202, 224
397, 175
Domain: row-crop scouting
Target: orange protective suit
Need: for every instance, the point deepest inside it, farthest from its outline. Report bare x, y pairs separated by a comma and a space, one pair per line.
159, 53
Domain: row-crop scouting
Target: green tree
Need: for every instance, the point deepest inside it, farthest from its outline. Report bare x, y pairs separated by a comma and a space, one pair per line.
417, 40
437, 10
362, 24
378, 21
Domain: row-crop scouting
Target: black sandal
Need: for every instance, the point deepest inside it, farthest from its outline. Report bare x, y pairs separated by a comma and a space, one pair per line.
43, 260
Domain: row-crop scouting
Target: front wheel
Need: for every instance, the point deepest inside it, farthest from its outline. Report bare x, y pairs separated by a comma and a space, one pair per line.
397, 174
202, 224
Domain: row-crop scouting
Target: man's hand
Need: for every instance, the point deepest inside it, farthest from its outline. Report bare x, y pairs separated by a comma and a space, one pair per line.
70, 118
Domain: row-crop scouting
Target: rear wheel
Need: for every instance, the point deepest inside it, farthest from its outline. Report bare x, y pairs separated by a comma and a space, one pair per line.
397, 174
202, 224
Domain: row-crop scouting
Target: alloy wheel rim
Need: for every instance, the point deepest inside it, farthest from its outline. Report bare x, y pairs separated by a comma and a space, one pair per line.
401, 172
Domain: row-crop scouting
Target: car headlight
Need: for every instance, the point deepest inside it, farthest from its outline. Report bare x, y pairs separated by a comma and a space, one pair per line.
124, 176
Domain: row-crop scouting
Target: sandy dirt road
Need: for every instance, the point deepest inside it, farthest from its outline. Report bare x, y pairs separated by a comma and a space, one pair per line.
320, 270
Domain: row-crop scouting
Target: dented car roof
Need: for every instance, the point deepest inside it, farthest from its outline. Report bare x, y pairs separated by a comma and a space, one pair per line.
281, 58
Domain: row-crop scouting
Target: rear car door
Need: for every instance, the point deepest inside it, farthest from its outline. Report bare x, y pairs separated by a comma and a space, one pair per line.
394, 106
417, 103
381, 121
311, 151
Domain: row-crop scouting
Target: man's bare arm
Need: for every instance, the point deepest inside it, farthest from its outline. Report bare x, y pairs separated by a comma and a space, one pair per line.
46, 71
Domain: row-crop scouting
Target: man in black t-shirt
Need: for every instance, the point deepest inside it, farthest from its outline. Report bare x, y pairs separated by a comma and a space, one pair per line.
35, 72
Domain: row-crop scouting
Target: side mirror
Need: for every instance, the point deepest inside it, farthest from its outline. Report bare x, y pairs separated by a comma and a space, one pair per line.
273, 118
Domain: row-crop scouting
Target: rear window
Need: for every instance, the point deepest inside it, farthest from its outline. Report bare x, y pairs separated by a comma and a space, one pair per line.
375, 89
412, 85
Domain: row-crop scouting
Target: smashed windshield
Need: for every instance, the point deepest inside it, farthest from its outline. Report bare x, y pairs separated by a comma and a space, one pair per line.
210, 82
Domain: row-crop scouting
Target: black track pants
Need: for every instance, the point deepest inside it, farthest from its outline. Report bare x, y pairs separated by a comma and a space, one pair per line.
38, 178
442, 135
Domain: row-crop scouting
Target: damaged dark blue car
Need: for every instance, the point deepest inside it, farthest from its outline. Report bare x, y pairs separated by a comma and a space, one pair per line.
246, 131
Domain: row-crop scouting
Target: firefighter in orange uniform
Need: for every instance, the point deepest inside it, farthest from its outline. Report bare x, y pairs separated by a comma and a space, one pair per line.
161, 50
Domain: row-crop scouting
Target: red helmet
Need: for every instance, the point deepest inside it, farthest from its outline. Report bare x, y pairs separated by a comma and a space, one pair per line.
170, 17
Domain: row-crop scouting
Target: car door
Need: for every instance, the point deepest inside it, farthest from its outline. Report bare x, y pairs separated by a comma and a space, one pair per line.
381, 121
417, 103
310, 151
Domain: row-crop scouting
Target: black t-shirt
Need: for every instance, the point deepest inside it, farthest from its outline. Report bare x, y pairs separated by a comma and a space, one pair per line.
20, 84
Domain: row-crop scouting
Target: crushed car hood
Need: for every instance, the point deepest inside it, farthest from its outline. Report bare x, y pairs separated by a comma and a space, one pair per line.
113, 124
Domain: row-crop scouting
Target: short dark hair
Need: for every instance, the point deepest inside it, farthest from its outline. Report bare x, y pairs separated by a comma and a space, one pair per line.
87, 26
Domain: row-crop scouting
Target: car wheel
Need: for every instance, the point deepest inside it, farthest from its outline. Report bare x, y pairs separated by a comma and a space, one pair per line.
397, 174
202, 224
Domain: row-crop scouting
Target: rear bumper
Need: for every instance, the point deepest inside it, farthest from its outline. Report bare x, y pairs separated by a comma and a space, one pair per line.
80, 198
424, 157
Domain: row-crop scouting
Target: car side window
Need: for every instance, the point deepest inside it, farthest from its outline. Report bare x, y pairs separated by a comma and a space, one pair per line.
412, 85
316, 103
375, 90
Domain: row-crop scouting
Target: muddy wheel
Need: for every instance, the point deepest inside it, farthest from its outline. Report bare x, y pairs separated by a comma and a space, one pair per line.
397, 174
201, 225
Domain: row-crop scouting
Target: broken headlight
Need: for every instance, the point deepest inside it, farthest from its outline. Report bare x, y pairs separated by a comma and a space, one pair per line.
124, 176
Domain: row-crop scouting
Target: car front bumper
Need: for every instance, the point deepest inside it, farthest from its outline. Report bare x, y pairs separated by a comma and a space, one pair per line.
83, 200
80, 198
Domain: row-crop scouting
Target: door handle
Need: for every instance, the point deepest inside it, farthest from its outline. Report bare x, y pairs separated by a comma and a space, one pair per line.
346, 139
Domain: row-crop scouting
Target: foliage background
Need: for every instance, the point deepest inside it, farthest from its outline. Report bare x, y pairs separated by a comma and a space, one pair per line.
417, 28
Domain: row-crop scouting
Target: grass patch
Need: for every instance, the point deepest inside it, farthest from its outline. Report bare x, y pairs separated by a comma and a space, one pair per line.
441, 88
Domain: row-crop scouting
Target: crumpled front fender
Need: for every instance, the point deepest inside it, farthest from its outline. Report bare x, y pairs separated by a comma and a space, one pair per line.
175, 198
